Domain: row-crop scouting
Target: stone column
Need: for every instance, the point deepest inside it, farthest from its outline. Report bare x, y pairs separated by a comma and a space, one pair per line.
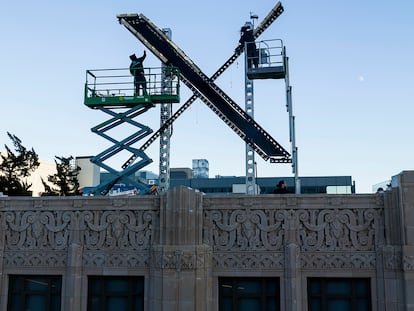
72, 295
292, 280
180, 275
405, 184
389, 279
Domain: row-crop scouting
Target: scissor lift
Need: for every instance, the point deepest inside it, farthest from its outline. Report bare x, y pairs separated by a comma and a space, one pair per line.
112, 91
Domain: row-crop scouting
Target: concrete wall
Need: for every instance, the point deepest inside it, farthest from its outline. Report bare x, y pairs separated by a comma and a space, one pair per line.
183, 241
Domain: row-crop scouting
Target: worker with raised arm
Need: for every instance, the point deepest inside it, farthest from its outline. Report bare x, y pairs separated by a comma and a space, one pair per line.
137, 71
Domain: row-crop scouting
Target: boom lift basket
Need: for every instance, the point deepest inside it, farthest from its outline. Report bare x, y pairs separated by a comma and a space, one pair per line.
270, 60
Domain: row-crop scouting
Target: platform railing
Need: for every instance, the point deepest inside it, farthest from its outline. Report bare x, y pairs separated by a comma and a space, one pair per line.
120, 83
269, 53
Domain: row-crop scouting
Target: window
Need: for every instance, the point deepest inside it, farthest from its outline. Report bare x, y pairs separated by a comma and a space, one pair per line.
339, 294
35, 293
110, 293
246, 294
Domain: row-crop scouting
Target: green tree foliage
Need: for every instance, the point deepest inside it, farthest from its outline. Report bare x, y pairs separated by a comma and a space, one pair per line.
65, 181
15, 167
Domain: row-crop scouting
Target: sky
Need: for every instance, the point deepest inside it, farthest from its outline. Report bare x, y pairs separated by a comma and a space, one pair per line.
351, 72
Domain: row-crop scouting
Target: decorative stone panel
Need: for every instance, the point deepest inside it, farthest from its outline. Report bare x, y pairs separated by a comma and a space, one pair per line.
181, 258
117, 230
338, 229
116, 260
248, 229
41, 233
252, 261
36, 230
56, 259
337, 260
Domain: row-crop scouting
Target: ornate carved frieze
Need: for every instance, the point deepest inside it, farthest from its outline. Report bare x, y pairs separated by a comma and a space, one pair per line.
338, 229
224, 261
102, 229
337, 260
35, 259
245, 229
42, 238
34, 230
181, 258
116, 260
242, 235
117, 230
316, 229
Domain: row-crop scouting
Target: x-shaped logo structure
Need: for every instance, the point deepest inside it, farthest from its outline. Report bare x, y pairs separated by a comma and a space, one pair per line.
204, 87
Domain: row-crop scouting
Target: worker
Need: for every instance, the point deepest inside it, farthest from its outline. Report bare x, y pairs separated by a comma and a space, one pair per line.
137, 71
281, 187
246, 35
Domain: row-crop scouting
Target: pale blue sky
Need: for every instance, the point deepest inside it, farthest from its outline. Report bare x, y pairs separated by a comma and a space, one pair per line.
351, 70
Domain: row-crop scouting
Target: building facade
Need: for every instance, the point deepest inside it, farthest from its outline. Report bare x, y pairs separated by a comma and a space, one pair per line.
185, 250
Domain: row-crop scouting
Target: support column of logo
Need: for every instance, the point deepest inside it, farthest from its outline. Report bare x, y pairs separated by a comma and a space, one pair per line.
165, 114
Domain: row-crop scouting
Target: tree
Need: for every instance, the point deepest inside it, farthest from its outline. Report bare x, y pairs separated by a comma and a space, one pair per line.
65, 179
16, 167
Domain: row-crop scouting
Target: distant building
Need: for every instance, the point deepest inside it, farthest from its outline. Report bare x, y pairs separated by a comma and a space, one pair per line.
232, 184
43, 171
147, 177
200, 168
236, 184
89, 175
197, 178
181, 173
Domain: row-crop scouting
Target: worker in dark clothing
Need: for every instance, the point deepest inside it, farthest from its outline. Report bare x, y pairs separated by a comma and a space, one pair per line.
281, 187
137, 71
246, 35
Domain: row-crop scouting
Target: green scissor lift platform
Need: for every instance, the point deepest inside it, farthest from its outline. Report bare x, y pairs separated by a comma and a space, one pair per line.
113, 91
114, 88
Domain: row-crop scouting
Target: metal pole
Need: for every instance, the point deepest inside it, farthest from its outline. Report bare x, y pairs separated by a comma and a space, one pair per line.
251, 187
291, 124
165, 114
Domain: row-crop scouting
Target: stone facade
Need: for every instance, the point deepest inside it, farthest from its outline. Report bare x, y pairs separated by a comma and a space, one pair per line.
183, 241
